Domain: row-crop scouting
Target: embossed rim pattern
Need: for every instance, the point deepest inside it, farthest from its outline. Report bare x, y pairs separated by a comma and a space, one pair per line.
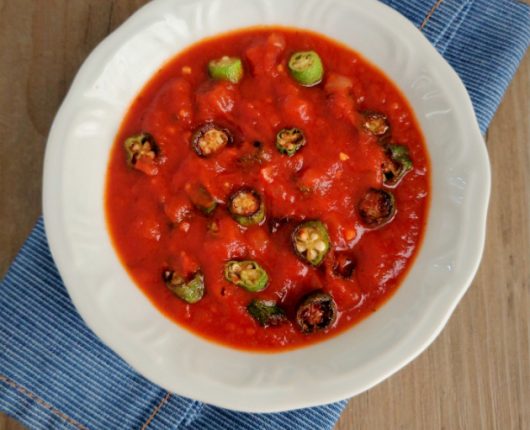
345, 365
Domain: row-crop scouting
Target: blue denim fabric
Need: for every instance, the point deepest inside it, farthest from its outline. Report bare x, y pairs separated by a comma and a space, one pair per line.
54, 373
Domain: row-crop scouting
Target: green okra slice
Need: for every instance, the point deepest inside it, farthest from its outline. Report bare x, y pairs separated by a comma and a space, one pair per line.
209, 139
190, 290
266, 312
140, 146
226, 68
200, 197
397, 164
246, 207
311, 242
247, 274
306, 68
290, 140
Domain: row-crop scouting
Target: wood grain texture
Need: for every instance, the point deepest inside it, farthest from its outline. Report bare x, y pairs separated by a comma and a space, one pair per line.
476, 375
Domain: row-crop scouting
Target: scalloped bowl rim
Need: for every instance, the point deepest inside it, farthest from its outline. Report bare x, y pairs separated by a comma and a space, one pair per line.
247, 395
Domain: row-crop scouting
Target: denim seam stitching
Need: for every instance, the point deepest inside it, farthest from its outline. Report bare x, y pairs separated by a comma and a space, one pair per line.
192, 412
431, 13
462, 15
156, 410
27, 393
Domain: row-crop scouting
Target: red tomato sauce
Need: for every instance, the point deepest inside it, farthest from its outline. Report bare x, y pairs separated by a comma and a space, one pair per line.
154, 226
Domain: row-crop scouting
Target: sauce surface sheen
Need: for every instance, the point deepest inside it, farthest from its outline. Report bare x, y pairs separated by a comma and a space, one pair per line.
154, 226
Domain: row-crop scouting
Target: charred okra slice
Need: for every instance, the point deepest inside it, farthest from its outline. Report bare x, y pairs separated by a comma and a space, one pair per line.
139, 146
209, 139
266, 312
190, 290
201, 198
306, 68
377, 207
290, 140
246, 274
396, 165
246, 207
226, 69
343, 265
316, 312
311, 242
375, 123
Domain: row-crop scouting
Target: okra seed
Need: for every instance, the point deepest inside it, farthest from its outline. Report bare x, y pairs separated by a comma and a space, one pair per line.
320, 246
300, 247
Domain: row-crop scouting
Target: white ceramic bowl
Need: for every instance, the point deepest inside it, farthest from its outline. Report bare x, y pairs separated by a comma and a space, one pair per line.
343, 366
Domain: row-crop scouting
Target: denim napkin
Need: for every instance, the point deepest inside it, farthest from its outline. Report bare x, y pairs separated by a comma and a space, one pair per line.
55, 373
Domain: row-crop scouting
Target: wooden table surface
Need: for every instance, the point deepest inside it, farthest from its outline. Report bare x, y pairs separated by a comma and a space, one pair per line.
476, 375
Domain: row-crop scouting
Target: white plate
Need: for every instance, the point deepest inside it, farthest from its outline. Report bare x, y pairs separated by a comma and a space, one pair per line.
74, 178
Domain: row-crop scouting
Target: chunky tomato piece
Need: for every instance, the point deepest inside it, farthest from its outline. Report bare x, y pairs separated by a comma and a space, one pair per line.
264, 56
216, 100
173, 104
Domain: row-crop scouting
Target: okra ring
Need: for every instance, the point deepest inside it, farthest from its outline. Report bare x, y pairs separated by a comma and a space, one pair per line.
306, 68
316, 312
377, 207
290, 140
246, 207
311, 242
209, 139
190, 290
343, 264
376, 123
266, 312
397, 164
200, 197
226, 68
139, 146
247, 274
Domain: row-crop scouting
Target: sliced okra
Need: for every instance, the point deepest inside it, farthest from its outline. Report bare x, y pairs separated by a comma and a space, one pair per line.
140, 146
266, 312
377, 207
375, 123
200, 197
209, 139
190, 289
316, 312
343, 264
397, 164
226, 68
290, 140
247, 274
306, 68
311, 242
246, 207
